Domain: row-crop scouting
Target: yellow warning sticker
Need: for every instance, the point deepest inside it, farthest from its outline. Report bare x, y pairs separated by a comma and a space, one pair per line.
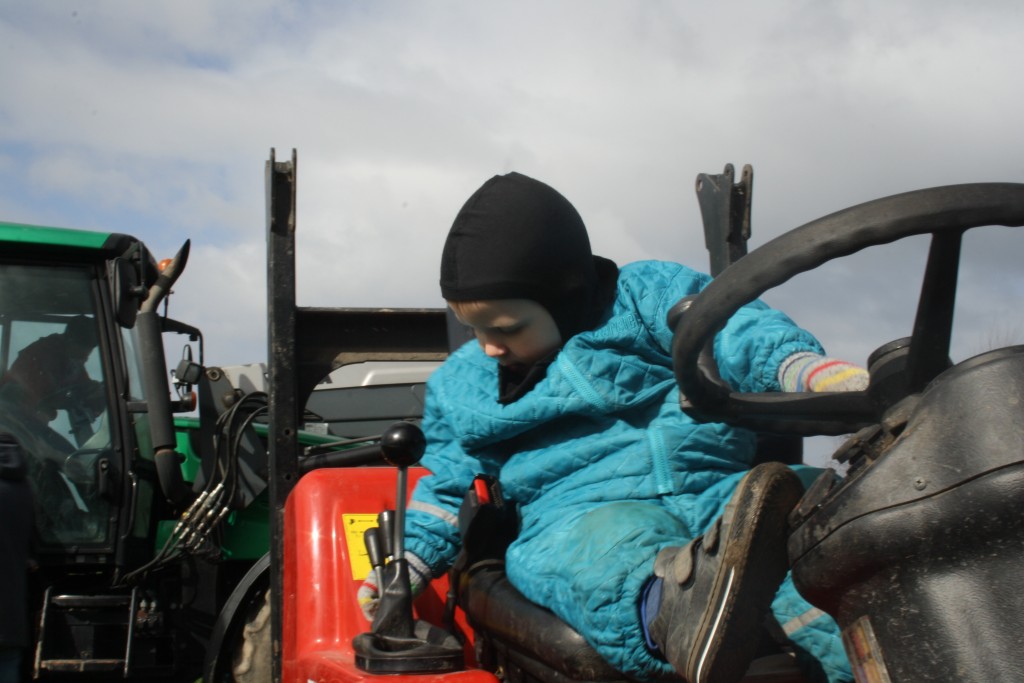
355, 527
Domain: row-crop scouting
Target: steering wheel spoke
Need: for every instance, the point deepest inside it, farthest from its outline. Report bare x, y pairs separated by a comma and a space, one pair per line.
933, 326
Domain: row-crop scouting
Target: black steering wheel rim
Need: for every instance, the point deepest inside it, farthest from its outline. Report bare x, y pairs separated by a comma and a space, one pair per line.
941, 210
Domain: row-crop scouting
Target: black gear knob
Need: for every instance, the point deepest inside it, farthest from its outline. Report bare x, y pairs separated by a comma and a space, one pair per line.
402, 445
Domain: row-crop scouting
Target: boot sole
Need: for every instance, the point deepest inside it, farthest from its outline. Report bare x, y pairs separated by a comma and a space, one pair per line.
754, 563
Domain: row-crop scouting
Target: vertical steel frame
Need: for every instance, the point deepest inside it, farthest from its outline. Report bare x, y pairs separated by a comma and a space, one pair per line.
304, 345
283, 411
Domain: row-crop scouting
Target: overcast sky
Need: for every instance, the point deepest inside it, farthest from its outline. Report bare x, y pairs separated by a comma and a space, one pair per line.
156, 118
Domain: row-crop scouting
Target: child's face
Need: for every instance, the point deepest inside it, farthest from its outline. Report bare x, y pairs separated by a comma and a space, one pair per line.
517, 332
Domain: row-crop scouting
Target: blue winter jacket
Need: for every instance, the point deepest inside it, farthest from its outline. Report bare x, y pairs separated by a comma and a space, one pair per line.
605, 468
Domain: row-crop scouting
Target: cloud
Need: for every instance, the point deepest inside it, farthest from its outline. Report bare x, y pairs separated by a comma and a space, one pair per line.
157, 119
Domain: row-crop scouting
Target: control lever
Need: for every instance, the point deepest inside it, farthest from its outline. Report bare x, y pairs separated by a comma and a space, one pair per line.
371, 537
400, 446
386, 524
396, 642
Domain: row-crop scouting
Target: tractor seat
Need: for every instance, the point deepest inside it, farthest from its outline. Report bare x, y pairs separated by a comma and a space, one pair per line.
525, 633
532, 638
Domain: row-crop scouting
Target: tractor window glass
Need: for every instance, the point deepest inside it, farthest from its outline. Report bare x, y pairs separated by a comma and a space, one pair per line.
133, 372
53, 398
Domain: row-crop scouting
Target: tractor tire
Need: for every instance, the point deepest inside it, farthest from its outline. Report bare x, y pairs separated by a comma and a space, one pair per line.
252, 662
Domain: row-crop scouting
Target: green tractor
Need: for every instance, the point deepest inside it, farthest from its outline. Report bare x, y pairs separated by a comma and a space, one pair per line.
150, 483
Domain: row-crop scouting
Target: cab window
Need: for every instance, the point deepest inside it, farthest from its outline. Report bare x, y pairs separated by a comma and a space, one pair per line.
53, 397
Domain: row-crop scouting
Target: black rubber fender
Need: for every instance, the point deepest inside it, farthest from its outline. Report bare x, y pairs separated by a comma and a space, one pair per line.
230, 620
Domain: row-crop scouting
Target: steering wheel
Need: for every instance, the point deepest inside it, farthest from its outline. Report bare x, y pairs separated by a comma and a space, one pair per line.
945, 212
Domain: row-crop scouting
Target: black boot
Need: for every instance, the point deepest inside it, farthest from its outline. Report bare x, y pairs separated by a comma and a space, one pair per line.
718, 589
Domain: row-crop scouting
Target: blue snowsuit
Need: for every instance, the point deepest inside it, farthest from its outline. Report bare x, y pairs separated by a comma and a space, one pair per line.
604, 466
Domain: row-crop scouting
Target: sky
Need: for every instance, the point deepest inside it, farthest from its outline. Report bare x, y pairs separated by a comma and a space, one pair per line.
157, 118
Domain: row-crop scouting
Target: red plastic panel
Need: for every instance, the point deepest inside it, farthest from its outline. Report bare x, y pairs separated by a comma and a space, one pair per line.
325, 517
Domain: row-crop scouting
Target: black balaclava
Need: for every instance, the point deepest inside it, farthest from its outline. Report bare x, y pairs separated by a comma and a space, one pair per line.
517, 238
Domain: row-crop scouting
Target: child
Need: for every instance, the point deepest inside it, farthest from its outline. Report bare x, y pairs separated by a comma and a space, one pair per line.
569, 398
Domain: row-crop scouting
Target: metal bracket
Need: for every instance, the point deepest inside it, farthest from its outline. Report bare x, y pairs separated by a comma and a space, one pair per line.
725, 208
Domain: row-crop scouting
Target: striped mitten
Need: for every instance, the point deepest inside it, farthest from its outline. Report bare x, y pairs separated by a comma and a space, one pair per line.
808, 371
368, 594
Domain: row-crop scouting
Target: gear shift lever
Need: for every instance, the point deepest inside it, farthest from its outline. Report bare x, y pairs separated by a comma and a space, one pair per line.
402, 445
396, 642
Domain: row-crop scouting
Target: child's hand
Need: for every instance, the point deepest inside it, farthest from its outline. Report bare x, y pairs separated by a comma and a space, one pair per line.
811, 372
368, 594
368, 598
